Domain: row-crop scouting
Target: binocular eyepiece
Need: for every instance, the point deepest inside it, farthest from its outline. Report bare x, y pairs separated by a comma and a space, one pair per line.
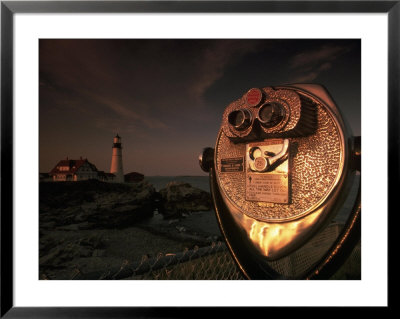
240, 119
269, 115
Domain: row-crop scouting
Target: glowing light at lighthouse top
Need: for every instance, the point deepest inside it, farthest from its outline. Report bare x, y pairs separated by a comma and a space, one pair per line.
117, 142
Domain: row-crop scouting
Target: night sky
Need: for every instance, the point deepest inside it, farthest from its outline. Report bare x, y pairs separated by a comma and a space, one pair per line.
165, 98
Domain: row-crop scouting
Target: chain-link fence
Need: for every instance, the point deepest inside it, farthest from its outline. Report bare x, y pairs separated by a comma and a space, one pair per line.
214, 262
208, 263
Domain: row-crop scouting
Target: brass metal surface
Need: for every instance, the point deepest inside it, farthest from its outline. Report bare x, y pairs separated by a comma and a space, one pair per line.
315, 163
316, 168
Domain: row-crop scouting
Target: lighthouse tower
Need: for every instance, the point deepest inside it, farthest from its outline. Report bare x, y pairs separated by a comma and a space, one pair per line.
116, 160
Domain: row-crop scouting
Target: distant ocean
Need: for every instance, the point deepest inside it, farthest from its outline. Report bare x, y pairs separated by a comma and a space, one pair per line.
202, 182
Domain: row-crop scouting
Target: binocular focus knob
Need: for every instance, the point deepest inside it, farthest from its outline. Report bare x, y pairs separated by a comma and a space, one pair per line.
206, 159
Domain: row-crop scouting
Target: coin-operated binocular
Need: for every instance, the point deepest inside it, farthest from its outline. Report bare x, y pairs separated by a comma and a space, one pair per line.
282, 167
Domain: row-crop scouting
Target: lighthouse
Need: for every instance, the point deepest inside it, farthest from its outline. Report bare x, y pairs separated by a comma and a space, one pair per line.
116, 160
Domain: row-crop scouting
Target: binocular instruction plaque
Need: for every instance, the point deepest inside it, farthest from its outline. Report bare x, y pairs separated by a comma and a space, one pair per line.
267, 171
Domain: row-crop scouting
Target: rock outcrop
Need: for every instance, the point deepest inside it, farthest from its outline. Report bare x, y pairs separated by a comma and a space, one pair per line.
179, 198
93, 226
94, 204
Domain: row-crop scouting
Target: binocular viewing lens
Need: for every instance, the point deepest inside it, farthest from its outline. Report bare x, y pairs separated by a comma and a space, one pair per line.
271, 114
236, 118
240, 119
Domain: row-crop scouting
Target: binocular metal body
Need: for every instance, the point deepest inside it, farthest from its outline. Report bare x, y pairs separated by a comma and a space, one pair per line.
282, 166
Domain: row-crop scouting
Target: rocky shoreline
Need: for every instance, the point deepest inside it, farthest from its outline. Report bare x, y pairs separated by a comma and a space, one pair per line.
91, 225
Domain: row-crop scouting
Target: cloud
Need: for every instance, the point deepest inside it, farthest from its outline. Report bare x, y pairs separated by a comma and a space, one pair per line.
122, 113
325, 54
150, 83
214, 61
310, 64
123, 127
312, 75
129, 114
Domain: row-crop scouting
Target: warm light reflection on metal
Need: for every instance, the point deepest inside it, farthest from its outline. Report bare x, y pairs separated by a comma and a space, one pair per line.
273, 240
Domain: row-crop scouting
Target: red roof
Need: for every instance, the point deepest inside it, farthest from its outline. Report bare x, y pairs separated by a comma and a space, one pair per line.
73, 166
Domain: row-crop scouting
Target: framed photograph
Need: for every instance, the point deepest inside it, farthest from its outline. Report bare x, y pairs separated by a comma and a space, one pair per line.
105, 108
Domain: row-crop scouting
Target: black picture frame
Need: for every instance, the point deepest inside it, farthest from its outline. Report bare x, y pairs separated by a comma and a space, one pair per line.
9, 8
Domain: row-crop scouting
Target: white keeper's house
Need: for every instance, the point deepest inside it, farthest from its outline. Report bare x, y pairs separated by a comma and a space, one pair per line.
74, 170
